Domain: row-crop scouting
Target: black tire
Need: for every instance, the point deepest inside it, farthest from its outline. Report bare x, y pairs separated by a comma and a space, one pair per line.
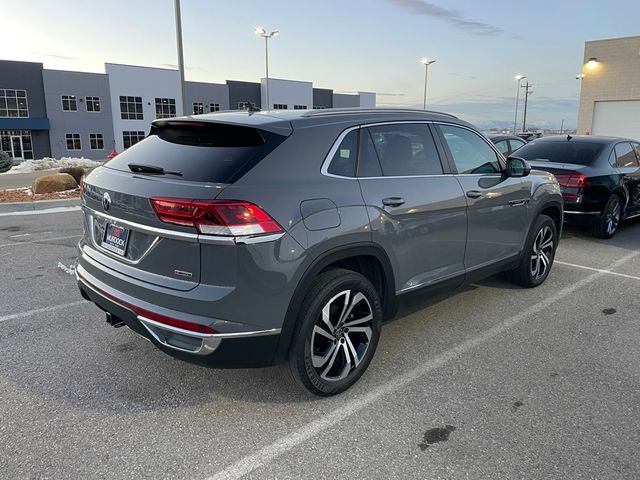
526, 274
328, 291
610, 219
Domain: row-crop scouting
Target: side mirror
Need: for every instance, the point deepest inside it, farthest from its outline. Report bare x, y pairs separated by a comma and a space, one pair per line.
517, 167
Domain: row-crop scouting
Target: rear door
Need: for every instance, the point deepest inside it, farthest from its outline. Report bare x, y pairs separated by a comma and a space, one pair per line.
627, 164
497, 213
417, 213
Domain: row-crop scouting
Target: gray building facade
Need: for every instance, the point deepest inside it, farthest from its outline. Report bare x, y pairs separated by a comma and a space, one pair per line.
322, 98
203, 97
24, 127
79, 110
345, 100
243, 93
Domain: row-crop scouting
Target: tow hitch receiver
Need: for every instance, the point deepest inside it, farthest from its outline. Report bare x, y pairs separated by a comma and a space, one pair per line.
114, 321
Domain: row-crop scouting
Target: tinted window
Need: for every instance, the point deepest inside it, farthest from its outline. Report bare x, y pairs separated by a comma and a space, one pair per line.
470, 152
625, 156
636, 147
202, 153
571, 151
369, 165
503, 147
406, 149
516, 144
343, 162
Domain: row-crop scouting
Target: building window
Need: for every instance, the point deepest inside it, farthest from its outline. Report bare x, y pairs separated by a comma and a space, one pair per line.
165, 107
69, 103
318, 107
17, 143
73, 141
214, 107
131, 108
198, 108
97, 141
245, 105
299, 107
280, 106
13, 103
93, 104
131, 138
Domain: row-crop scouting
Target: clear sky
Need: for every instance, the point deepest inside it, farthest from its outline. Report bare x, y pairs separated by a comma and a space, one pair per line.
348, 45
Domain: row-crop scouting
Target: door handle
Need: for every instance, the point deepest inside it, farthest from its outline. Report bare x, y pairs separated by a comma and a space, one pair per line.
474, 194
393, 201
517, 203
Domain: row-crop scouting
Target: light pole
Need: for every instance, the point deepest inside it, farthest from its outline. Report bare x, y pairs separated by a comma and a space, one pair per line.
515, 118
180, 55
426, 62
263, 33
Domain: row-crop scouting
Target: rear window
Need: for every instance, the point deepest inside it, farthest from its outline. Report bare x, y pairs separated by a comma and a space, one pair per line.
580, 153
203, 152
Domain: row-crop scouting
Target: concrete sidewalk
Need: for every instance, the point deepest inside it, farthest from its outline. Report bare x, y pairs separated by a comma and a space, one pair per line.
37, 205
18, 180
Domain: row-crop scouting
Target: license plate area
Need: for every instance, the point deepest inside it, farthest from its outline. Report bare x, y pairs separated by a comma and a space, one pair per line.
115, 239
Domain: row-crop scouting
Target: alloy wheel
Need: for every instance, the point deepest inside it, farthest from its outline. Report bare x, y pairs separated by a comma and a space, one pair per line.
542, 253
341, 336
612, 217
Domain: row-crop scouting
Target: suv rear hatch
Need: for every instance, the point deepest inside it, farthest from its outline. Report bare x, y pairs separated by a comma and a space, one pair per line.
147, 211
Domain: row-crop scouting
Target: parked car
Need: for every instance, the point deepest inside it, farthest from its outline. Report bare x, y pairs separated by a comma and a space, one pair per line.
507, 144
599, 176
250, 239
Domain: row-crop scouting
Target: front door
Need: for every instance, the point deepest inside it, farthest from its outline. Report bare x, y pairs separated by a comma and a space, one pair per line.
497, 204
16, 148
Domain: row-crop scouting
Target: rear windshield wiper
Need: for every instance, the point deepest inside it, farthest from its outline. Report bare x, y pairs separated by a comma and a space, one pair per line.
140, 168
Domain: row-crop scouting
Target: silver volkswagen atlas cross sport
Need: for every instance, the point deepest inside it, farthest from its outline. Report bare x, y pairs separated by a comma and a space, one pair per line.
242, 239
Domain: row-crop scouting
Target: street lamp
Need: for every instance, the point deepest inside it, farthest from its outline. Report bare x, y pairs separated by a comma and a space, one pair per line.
519, 78
592, 63
176, 7
263, 33
426, 62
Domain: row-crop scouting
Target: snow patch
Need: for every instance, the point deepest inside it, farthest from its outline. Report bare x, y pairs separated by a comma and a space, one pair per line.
49, 163
71, 269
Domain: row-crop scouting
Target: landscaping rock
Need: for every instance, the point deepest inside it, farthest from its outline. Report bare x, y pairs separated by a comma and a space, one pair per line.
5, 162
58, 182
76, 172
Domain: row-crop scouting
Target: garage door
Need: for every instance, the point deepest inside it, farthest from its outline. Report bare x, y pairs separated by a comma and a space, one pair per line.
618, 119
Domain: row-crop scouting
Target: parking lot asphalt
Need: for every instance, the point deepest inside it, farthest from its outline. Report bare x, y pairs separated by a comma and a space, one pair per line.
491, 381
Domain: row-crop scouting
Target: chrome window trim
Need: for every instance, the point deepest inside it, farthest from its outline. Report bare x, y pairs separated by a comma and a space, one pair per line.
324, 169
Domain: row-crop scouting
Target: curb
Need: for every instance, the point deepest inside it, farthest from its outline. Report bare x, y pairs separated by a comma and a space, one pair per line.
37, 205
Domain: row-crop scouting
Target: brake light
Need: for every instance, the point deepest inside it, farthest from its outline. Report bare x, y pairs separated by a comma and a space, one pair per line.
576, 180
216, 217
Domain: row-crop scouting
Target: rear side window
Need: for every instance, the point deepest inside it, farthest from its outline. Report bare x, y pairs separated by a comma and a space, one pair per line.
406, 150
566, 151
471, 154
503, 147
200, 152
516, 144
625, 156
344, 160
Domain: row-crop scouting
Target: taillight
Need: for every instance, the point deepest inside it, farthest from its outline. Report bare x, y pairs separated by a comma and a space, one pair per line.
216, 217
576, 180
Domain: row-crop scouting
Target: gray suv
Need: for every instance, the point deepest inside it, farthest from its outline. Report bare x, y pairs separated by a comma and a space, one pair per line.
242, 239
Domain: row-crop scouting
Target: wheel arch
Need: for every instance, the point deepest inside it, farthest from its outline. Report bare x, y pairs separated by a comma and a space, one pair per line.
339, 258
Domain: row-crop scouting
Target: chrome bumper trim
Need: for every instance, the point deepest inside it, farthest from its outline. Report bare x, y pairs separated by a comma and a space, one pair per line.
571, 212
209, 341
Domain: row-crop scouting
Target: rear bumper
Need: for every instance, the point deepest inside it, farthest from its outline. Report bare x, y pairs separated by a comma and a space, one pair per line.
576, 217
221, 350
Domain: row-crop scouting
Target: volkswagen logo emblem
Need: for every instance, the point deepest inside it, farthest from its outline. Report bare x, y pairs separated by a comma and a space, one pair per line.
106, 202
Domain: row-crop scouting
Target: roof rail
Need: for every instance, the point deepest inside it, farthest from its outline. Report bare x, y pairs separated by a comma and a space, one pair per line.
350, 111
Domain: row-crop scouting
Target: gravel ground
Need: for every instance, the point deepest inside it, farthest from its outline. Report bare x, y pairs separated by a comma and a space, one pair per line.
491, 381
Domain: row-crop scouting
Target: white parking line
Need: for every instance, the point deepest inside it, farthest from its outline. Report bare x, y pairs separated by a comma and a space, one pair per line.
31, 242
28, 313
609, 272
268, 453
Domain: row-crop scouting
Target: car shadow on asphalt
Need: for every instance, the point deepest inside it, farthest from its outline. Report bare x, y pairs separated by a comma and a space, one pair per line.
628, 237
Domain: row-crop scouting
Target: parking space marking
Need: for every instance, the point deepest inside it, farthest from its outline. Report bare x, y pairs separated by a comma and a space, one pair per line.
609, 272
268, 453
31, 242
52, 308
